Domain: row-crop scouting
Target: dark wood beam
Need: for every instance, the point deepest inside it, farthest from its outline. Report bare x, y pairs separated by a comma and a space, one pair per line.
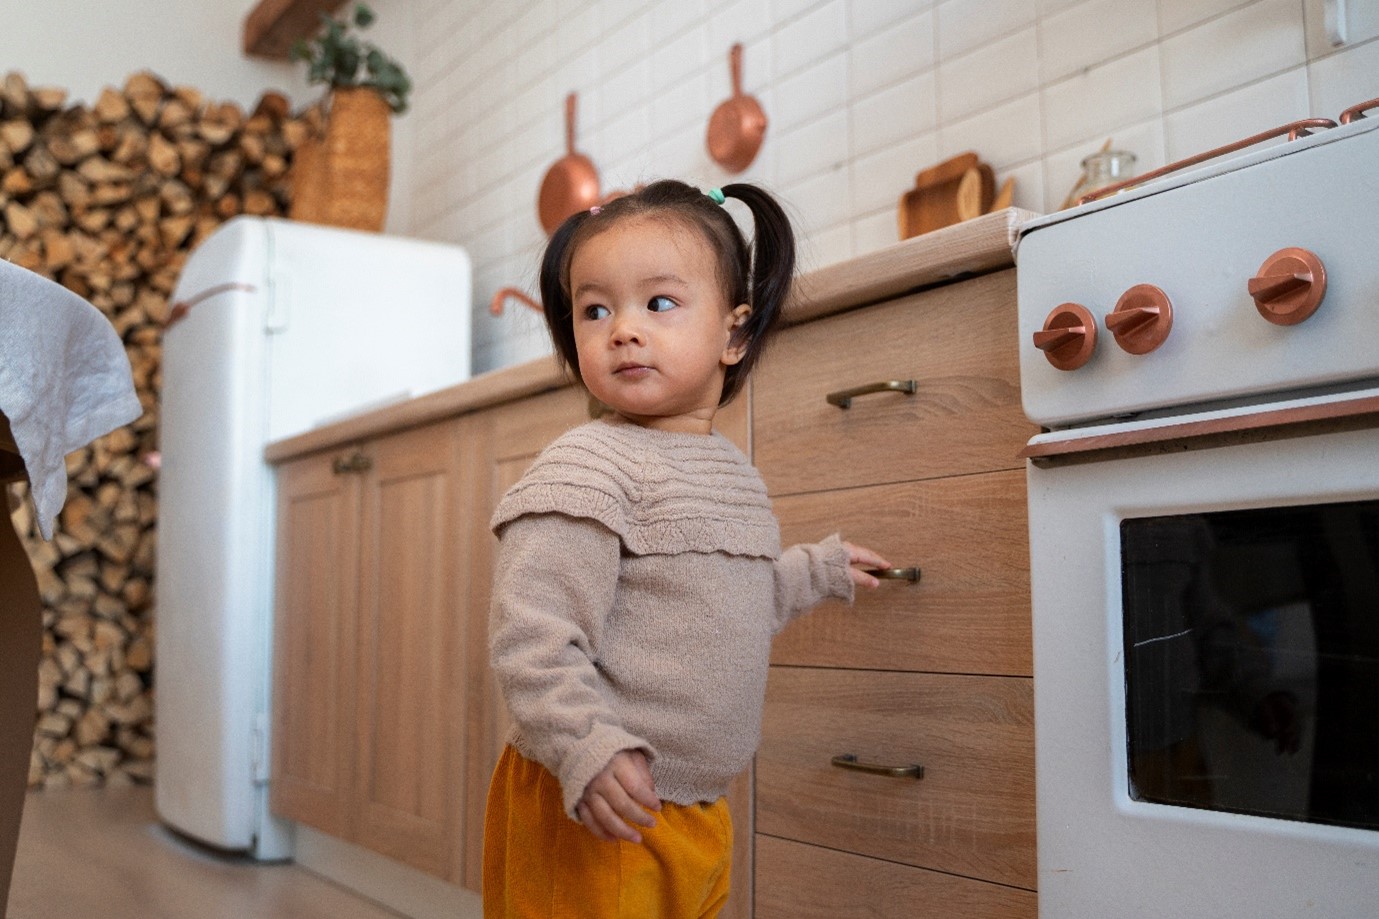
273, 25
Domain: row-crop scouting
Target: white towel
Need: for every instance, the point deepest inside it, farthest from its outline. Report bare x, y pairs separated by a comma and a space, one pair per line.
64, 380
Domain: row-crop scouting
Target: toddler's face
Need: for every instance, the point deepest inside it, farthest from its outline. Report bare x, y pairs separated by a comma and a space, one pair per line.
652, 327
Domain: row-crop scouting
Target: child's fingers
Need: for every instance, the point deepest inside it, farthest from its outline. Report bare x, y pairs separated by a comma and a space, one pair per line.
630, 809
634, 775
861, 555
862, 579
613, 822
586, 817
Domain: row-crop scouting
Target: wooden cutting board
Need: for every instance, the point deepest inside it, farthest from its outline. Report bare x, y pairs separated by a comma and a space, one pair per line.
955, 190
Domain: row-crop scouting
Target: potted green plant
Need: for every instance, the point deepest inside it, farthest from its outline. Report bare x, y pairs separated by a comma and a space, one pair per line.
339, 58
340, 173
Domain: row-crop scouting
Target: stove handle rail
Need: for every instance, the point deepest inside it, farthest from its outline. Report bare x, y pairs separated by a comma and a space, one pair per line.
1348, 414
1356, 112
1293, 130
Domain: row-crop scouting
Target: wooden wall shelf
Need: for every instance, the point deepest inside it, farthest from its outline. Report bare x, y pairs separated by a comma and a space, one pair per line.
273, 25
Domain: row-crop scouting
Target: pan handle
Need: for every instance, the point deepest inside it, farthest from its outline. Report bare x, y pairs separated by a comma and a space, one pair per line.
495, 306
570, 123
735, 65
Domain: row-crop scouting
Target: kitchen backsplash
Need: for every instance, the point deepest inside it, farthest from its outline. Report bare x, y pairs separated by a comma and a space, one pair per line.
860, 94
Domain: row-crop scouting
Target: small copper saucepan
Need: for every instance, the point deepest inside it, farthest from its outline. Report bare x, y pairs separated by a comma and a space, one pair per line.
571, 184
737, 125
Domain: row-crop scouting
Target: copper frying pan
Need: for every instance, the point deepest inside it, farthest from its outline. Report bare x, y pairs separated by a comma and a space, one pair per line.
737, 125
571, 184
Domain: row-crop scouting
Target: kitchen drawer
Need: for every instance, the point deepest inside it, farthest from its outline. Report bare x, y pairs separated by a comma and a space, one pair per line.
958, 343
796, 881
972, 813
969, 613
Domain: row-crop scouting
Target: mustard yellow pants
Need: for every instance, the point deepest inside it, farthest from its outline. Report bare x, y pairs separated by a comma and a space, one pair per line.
540, 864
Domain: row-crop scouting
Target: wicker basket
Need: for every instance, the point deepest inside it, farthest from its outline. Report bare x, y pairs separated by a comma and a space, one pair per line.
341, 178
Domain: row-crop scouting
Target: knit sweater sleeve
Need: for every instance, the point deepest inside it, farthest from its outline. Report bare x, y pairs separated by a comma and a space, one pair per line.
808, 574
554, 586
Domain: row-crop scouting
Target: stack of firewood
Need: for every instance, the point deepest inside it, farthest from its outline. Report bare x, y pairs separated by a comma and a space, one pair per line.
108, 199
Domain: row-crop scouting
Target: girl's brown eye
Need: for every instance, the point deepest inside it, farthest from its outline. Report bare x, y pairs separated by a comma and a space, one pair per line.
595, 312
659, 304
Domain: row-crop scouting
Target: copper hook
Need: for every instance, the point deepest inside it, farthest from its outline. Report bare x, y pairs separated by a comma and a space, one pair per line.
495, 305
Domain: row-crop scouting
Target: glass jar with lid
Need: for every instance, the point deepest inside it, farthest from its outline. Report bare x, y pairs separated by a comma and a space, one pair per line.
1101, 169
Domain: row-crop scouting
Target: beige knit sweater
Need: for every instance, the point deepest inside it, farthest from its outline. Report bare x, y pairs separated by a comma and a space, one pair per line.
639, 583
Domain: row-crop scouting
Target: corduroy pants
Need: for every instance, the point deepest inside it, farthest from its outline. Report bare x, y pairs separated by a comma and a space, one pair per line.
540, 864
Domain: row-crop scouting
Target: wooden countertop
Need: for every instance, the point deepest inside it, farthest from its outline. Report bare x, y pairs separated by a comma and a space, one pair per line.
974, 247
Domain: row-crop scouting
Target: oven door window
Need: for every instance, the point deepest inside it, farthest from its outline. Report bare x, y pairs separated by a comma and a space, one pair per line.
1252, 661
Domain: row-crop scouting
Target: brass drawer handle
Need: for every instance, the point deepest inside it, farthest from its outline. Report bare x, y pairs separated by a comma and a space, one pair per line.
356, 462
843, 398
895, 574
849, 761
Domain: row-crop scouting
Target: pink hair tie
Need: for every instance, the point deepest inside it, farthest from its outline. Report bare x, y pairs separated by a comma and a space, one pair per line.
594, 211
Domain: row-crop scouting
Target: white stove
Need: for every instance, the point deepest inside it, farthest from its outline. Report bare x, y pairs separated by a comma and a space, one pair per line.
1202, 352
1193, 243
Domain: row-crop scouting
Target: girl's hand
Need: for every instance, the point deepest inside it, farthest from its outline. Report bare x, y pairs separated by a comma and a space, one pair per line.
862, 558
621, 794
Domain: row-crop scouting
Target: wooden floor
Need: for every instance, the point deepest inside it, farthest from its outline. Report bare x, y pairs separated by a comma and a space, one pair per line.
102, 854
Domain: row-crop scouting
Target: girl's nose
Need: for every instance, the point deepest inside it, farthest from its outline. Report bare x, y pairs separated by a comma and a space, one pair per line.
626, 330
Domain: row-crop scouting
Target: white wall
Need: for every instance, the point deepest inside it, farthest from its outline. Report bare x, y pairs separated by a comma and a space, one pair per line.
85, 45
861, 95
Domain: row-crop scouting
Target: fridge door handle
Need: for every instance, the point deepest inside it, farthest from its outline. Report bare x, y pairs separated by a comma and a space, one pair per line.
279, 301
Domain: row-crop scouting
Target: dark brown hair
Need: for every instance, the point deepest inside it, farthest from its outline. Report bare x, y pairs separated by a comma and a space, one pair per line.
758, 274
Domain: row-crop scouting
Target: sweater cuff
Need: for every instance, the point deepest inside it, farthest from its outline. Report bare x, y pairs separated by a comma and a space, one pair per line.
837, 568
590, 756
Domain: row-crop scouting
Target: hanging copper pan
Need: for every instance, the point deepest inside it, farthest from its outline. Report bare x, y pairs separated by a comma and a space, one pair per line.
571, 184
738, 125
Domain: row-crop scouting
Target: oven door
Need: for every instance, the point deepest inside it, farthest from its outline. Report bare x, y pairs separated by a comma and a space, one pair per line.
1206, 648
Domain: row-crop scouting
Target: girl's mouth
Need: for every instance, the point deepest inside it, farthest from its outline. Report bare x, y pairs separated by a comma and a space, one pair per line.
631, 370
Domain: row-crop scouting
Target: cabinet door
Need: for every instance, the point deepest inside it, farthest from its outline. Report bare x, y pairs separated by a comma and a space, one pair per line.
313, 661
410, 690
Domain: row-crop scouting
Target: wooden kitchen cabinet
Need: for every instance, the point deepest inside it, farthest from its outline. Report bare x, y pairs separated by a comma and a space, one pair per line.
370, 686
935, 674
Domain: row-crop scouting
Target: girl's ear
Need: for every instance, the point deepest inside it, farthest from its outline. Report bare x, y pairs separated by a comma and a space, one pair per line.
736, 348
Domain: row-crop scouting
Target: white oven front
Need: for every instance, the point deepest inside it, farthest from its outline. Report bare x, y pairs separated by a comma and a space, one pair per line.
1206, 646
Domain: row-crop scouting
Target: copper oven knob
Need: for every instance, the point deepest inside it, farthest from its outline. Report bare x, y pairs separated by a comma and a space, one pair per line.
1068, 336
1142, 319
1289, 286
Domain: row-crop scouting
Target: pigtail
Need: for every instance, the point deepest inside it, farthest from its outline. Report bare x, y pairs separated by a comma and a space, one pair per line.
555, 295
772, 268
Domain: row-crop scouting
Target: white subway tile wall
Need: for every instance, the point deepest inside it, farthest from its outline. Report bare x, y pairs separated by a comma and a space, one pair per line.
861, 95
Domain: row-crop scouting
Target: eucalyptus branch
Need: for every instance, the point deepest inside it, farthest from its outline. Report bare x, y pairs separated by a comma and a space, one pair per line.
338, 57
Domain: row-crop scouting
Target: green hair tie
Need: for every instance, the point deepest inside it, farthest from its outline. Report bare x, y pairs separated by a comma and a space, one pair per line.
716, 194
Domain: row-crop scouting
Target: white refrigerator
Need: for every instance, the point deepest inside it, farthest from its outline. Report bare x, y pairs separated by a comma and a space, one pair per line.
276, 328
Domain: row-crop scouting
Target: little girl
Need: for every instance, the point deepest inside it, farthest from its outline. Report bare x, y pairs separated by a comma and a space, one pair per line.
640, 576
